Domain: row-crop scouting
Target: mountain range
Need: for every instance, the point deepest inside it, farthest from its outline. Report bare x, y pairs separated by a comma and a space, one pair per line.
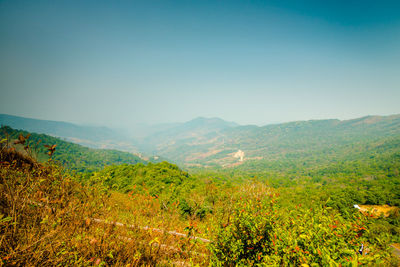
231, 144
215, 142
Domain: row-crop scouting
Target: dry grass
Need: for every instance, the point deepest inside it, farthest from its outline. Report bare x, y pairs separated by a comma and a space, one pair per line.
378, 210
45, 219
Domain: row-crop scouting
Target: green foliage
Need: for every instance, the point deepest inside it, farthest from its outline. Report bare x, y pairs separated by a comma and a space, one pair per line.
278, 142
72, 156
295, 207
260, 231
163, 180
155, 178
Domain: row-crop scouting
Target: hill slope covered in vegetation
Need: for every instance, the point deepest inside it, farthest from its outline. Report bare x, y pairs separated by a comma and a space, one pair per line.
247, 223
72, 156
279, 141
90, 136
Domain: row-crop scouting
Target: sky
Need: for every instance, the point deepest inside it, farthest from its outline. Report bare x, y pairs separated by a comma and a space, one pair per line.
119, 63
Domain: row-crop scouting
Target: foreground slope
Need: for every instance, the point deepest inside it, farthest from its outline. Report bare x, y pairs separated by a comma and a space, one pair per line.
48, 219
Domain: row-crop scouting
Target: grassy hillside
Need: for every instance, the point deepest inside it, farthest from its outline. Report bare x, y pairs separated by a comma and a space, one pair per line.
72, 156
48, 219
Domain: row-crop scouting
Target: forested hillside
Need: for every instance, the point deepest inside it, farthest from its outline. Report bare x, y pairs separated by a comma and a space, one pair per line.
90, 136
280, 141
215, 142
71, 156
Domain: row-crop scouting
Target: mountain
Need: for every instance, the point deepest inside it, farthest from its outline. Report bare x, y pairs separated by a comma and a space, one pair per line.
72, 156
143, 130
195, 128
212, 142
215, 142
91, 136
198, 130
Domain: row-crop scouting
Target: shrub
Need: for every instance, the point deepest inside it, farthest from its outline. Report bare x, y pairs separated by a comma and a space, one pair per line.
258, 231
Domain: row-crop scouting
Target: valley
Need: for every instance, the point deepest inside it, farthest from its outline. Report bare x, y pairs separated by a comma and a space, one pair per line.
199, 133
211, 142
281, 194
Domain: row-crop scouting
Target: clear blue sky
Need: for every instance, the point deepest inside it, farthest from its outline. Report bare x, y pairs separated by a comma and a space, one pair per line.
117, 63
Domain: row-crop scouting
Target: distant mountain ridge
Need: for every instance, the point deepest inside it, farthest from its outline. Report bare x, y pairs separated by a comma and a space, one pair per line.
198, 126
198, 129
270, 142
215, 142
91, 136
201, 124
72, 156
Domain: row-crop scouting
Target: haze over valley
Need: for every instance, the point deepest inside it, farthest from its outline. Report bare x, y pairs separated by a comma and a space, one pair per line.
214, 142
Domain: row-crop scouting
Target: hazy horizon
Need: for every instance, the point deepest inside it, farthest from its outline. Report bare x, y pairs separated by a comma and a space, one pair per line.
146, 124
117, 64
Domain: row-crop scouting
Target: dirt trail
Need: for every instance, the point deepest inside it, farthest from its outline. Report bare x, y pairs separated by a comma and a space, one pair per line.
396, 250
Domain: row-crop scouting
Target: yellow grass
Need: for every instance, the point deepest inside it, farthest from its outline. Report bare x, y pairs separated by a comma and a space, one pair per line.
378, 210
48, 219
